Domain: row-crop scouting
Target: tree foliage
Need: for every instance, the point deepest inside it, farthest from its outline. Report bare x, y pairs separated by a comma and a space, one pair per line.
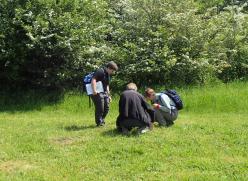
53, 43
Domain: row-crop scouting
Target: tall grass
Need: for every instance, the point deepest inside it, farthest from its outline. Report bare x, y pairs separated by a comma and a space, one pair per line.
44, 137
222, 98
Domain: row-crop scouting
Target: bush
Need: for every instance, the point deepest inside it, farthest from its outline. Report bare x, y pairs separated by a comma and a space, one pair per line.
54, 43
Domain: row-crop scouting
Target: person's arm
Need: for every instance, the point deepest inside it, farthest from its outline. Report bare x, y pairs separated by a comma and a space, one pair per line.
151, 111
108, 91
93, 85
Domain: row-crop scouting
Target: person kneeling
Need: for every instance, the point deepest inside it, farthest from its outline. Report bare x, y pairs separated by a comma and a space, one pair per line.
133, 111
165, 108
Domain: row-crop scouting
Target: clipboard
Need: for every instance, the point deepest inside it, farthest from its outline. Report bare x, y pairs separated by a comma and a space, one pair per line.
99, 88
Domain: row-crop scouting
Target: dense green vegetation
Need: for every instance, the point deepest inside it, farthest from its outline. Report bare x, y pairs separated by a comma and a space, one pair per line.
45, 139
53, 43
48, 134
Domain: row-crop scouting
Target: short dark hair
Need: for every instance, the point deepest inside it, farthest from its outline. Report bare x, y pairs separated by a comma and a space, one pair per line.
149, 91
112, 65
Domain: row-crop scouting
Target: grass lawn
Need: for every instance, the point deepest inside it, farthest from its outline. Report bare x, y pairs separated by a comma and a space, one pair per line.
59, 140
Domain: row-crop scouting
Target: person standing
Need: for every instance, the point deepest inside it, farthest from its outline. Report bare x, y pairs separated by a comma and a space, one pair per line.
165, 108
101, 100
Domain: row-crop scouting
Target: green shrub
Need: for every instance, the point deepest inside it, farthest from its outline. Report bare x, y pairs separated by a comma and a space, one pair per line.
54, 43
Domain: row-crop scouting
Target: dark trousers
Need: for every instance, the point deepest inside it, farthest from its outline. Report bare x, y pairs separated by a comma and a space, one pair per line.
101, 102
166, 118
129, 123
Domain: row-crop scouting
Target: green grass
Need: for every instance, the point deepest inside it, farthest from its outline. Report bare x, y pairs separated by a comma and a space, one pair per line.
47, 139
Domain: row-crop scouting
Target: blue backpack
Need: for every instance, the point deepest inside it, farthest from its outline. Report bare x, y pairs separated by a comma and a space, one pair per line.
175, 97
87, 78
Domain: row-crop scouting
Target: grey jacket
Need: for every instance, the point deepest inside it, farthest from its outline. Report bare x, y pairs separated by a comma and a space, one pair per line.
166, 103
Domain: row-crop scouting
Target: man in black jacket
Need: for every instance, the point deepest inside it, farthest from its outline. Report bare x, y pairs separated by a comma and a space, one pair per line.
134, 111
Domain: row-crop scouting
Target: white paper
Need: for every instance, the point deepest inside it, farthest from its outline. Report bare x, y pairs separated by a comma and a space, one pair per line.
99, 88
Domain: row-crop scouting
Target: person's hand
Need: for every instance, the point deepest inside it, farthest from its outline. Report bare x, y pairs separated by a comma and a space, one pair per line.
156, 106
94, 93
110, 99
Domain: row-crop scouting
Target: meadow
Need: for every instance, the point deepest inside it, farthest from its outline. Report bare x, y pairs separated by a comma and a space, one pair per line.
44, 137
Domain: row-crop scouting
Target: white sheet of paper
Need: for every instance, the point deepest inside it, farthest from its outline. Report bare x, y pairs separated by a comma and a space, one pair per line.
99, 88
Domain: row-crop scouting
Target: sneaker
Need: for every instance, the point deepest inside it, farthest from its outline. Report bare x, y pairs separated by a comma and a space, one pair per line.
144, 130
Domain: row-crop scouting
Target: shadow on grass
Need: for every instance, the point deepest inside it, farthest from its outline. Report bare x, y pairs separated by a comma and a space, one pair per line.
78, 128
115, 133
11, 101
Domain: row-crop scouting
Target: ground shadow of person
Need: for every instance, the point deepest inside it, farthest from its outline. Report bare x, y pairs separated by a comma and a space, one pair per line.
78, 128
114, 132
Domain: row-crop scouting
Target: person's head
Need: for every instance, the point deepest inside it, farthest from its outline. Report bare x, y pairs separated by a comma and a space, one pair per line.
131, 86
111, 67
150, 94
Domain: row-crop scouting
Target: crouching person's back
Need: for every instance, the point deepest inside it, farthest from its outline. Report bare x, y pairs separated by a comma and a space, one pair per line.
133, 111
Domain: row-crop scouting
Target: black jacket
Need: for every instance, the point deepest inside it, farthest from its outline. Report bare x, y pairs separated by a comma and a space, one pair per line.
133, 105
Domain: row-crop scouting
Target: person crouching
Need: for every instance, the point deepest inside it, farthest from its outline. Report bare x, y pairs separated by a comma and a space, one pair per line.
133, 111
165, 108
